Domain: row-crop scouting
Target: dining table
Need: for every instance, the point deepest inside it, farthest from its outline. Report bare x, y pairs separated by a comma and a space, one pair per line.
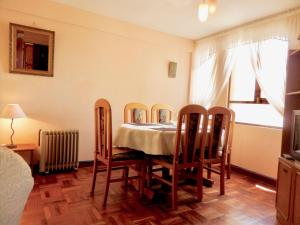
151, 138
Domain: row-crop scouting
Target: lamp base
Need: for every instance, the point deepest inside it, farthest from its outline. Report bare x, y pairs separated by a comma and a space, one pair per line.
11, 146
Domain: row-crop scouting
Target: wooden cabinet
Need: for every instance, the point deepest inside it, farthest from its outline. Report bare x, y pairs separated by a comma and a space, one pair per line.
288, 192
292, 99
288, 182
296, 203
285, 173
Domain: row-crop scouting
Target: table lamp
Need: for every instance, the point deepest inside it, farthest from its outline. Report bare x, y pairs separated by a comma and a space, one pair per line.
12, 111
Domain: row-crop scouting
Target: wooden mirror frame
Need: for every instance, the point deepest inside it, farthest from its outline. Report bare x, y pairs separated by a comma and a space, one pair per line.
12, 50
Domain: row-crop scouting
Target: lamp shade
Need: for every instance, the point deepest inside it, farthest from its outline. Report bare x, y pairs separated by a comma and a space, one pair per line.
12, 111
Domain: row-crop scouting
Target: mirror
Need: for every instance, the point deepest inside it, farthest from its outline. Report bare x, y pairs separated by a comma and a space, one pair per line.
31, 50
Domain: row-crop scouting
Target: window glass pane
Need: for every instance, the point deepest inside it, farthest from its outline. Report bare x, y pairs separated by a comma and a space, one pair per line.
242, 87
262, 114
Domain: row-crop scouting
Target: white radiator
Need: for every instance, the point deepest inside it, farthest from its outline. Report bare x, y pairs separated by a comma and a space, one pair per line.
58, 150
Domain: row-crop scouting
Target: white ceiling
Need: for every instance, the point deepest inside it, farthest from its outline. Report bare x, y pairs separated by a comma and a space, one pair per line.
179, 17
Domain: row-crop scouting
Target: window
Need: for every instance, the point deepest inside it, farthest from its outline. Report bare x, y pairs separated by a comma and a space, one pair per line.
246, 97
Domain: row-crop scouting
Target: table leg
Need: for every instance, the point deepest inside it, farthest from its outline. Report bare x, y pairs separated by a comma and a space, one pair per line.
165, 173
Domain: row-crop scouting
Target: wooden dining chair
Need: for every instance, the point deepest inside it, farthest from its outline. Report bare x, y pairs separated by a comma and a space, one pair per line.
230, 138
107, 158
139, 113
216, 150
188, 152
161, 113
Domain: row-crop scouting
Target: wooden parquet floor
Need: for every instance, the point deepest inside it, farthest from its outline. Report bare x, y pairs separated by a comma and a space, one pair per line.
63, 199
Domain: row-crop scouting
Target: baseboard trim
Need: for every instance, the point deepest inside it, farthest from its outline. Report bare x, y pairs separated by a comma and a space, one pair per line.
265, 179
86, 163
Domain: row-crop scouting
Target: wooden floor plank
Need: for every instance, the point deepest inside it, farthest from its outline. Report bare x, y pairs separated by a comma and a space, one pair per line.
63, 199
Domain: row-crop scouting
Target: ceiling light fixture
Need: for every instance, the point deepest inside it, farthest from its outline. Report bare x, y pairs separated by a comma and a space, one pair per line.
203, 11
205, 8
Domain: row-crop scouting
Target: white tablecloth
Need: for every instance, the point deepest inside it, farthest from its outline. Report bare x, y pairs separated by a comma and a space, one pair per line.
153, 139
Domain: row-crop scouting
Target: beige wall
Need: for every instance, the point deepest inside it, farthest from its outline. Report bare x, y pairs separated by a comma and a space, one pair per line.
94, 57
257, 149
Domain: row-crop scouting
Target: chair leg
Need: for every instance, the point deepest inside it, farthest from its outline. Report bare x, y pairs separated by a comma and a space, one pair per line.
200, 183
222, 179
107, 185
228, 166
94, 177
125, 177
174, 190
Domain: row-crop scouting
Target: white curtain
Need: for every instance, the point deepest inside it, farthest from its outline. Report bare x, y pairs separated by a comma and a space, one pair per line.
209, 78
284, 27
270, 72
203, 81
211, 68
226, 63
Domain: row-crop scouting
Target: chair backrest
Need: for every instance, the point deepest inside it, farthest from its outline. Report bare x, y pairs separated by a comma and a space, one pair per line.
161, 113
232, 123
139, 113
219, 126
190, 139
103, 129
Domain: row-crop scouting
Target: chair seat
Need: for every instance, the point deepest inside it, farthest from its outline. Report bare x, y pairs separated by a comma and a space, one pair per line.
169, 158
127, 154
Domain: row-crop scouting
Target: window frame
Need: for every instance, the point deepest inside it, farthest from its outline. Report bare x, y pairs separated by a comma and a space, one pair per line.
257, 95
